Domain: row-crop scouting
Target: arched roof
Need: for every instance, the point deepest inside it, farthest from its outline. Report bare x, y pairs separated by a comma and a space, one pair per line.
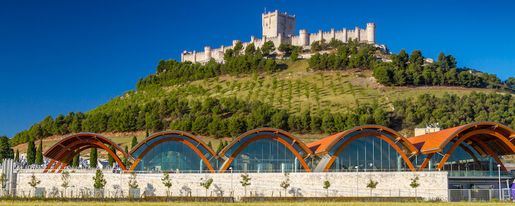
325, 144
190, 140
63, 150
487, 138
436, 141
334, 144
294, 144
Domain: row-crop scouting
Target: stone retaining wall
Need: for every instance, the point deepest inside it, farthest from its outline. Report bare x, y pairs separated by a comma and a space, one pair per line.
433, 185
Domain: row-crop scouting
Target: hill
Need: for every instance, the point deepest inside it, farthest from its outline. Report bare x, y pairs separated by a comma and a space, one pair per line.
310, 98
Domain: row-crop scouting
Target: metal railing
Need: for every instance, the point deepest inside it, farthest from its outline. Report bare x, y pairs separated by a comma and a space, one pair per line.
472, 195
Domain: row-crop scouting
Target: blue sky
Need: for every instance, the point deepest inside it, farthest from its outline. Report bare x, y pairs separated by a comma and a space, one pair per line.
62, 56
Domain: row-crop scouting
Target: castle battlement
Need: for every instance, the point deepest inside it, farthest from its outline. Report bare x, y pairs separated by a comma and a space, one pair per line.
279, 28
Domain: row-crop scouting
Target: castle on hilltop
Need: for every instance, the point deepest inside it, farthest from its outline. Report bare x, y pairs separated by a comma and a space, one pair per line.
279, 28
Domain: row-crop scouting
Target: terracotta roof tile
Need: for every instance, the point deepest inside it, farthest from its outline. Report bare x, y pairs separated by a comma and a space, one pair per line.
321, 145
433, 141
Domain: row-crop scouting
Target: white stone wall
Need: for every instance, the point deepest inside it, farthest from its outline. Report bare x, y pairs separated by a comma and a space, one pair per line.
433, 185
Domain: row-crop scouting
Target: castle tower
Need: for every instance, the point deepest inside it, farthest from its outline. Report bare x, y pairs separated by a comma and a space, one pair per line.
357, 33
345, 36
304, 37
371, 33
275, 23
207, 53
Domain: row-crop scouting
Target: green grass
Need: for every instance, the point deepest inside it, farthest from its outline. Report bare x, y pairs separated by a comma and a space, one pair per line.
35, 203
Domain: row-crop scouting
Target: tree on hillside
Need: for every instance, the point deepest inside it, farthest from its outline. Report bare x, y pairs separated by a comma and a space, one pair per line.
383, 74
267, 48
134, 141
250, 49
93, 158
237, 48
5, 148
31, 152
39, 153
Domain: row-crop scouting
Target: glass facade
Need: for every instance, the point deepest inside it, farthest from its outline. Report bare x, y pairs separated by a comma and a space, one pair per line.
368, 154
464, 161
266, 155
173, 156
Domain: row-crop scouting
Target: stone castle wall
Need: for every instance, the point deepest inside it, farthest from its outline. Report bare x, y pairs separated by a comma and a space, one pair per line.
433, 185
304, 39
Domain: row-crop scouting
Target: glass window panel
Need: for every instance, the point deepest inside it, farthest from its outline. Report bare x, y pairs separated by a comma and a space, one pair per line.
172, 156
368, 154
266, 155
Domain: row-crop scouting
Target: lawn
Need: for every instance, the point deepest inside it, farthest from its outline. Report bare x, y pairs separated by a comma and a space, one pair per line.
252, 204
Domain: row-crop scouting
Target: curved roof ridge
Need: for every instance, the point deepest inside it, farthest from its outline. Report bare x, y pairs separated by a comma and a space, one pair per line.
436, 141
302, 145
324, 144
168, 132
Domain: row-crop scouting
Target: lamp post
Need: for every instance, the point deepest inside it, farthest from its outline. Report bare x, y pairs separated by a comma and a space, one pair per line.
357, 169
232, 189
499, 176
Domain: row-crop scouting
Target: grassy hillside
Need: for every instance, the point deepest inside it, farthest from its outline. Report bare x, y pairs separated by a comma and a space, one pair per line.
295, 89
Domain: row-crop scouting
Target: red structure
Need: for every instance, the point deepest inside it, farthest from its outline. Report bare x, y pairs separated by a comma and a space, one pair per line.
476, 139
475, 146
335, 144
62, 152
191, 142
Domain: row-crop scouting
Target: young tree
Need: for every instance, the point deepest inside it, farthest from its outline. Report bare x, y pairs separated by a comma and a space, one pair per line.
76, 161
31, 153
327, 185
414, 184
5, 148
65, 178
3, 180
245, 181
110, 159
133, 182
206, 184
134, 142
93, 158
39, 153
17, 156
125, 161
99, 181
372, 185
285, 183
167, 182
34, 182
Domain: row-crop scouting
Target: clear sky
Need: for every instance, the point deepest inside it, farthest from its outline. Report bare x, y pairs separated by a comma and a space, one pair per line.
62, 56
